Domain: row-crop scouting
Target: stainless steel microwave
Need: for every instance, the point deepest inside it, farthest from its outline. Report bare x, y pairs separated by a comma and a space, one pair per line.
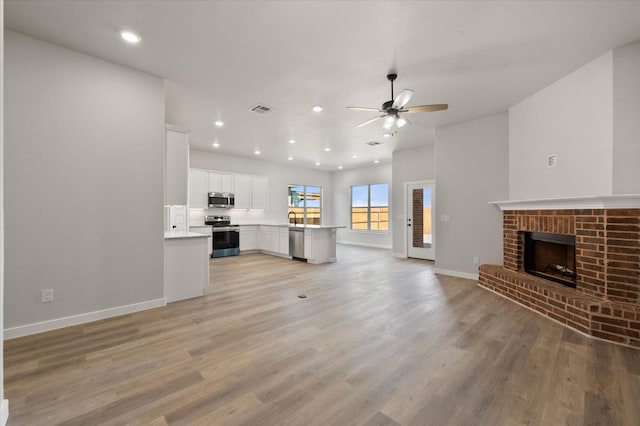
225, 200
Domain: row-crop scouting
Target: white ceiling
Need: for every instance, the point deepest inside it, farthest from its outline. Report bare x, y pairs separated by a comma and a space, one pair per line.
222, 57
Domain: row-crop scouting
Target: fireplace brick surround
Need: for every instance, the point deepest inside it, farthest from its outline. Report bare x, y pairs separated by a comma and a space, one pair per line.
606, 301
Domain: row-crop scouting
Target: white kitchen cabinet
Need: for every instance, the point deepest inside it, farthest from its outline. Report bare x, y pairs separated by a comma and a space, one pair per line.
283, 240
205, 230
228, 183
320, 245
186, 268
263, 237
242, 191
215, 182
177, 166
248, 238
198, 189
258, 192
221, 182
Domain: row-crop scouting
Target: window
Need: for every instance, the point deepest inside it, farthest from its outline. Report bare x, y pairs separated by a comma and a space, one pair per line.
305, 204
370, 207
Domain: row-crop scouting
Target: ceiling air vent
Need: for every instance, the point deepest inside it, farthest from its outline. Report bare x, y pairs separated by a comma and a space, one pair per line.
373, 143
262, 109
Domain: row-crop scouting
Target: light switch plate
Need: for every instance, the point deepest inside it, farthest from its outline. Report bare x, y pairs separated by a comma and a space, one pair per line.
445, 218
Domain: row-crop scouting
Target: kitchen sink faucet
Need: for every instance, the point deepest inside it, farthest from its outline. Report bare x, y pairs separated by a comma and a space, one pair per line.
295, 220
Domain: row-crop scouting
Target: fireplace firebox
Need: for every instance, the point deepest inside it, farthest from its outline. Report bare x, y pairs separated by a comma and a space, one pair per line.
551, 256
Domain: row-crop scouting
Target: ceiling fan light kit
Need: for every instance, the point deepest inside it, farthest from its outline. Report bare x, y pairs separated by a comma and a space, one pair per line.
391, 109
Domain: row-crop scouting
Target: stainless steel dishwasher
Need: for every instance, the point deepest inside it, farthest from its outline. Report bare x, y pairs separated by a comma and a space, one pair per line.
296, 243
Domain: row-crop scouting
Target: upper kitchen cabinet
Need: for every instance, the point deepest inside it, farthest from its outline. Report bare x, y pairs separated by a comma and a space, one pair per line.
243, 192
221, 182
198, 189
250, 192
177, 166
258, 192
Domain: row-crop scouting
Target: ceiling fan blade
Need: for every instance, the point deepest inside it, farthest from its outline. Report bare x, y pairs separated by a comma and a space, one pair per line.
364, 109
371, 120
402, 99
426, 108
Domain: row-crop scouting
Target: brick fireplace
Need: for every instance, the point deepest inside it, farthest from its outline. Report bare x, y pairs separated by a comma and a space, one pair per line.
605, 302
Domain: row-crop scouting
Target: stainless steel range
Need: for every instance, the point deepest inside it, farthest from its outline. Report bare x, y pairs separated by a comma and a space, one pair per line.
226, 237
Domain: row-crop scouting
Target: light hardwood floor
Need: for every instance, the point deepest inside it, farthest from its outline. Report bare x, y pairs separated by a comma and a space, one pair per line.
379, 341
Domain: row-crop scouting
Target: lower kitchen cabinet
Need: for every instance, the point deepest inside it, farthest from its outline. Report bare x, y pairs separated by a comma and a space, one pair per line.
205, 231
248, 238
283, 243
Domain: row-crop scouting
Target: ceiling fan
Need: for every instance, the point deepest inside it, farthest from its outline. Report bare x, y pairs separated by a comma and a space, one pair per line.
391, 109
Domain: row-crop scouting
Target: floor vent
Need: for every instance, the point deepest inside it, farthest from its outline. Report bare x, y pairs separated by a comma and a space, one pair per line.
262, 109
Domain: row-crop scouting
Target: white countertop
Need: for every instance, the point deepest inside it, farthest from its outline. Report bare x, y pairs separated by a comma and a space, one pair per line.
173, 235
282, 225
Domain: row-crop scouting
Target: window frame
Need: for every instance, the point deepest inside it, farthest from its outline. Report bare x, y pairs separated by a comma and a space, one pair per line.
368, 207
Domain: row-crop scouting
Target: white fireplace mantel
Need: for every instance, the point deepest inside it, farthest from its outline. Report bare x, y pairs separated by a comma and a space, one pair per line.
626, 201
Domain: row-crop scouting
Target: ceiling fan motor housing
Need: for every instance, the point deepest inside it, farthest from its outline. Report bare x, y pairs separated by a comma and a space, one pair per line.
387, 105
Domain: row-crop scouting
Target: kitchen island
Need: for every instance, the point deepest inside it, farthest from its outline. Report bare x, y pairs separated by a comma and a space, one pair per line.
319, 240
186, 265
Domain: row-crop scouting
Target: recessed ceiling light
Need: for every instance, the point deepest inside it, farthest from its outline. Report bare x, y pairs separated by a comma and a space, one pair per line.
386, 135
339, 167
327, 149
219, 123
376, 161
216, 145
317, 163
354, 156
292, 141
130, 37
290, 158
256, 152
317, 108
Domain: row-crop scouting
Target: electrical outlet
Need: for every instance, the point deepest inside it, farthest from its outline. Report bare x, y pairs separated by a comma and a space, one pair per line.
476, 260
47, 295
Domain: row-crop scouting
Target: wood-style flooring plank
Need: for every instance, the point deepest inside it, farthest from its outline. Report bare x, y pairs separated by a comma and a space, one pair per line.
379, 341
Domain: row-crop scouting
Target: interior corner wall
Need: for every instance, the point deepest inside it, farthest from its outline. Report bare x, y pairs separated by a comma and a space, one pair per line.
573, 119
471, 170
84, 156
409, 165
4, 407
279, 177
626, 119
343, 180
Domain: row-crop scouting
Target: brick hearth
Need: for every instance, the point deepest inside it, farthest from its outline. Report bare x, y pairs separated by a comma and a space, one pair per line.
606, 300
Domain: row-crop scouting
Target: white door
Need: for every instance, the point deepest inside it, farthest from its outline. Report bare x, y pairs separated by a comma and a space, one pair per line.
420, 220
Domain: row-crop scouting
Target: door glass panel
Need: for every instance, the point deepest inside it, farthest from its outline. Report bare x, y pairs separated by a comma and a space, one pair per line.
422, 235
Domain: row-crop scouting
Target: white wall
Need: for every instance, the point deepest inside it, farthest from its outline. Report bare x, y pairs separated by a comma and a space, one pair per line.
572, 118
279, 177
4, 407
84, 155
343, 180
408, 166
471, 170
626, 119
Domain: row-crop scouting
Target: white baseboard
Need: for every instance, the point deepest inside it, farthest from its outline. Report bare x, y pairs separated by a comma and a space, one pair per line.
400, 255
457, 274
351, 243
39, 327
4, 412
